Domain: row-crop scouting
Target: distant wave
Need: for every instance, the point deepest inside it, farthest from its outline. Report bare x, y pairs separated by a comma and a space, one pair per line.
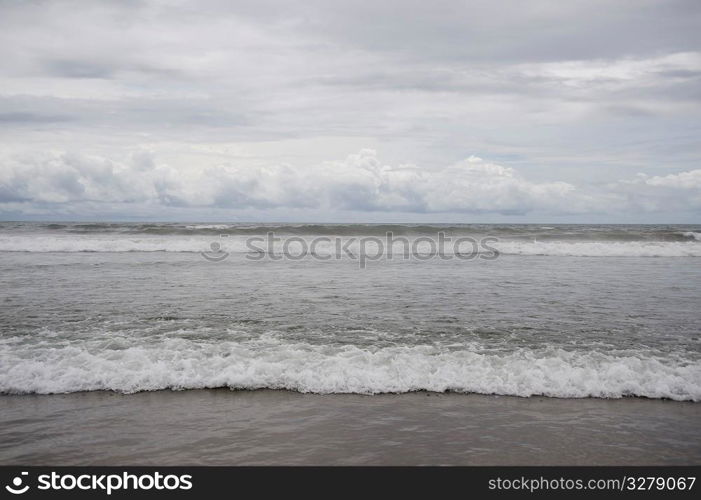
602, 249
274, 364
522, 231
67, 243
237, 245
252, 229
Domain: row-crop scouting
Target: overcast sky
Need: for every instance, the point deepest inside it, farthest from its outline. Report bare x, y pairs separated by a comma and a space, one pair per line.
455, 111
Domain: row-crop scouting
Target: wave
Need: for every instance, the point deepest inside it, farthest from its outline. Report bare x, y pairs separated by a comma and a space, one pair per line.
524, 231
270, 363
608, 249
238, 245
254, 229
115, 244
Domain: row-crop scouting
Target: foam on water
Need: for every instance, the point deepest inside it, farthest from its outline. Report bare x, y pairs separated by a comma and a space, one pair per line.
601, 249
272, 363
553, 326
67, 243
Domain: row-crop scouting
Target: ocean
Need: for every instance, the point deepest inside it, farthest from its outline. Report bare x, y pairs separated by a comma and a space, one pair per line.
562, 311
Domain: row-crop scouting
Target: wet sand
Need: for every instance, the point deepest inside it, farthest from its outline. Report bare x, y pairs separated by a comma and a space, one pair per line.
222, 427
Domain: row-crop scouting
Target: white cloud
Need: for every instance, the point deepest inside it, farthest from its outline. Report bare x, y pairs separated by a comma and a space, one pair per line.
359, 183
560, 99
683, 180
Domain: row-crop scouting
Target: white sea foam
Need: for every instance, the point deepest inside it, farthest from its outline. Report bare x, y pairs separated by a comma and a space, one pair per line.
601, 249
208, 226
276, 364
68, 243
237, 244
692, 235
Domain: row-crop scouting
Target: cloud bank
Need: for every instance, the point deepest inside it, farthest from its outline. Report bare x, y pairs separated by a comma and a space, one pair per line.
245, 105
56, 182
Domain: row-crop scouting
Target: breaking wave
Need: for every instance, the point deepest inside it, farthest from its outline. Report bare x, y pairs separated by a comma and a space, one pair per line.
272, 363
237, 245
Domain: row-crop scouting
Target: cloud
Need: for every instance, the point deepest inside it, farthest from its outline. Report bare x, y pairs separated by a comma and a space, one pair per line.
563, 102
683, 180
359, 183
673, 192
56, 178
19, 118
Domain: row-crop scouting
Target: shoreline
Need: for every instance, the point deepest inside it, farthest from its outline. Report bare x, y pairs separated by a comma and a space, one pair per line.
312, 393
280, 427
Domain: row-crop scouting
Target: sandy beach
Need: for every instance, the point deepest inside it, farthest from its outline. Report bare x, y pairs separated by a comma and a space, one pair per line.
223, 427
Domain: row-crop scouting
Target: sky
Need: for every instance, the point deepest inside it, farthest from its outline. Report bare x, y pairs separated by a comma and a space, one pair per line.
351, 111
